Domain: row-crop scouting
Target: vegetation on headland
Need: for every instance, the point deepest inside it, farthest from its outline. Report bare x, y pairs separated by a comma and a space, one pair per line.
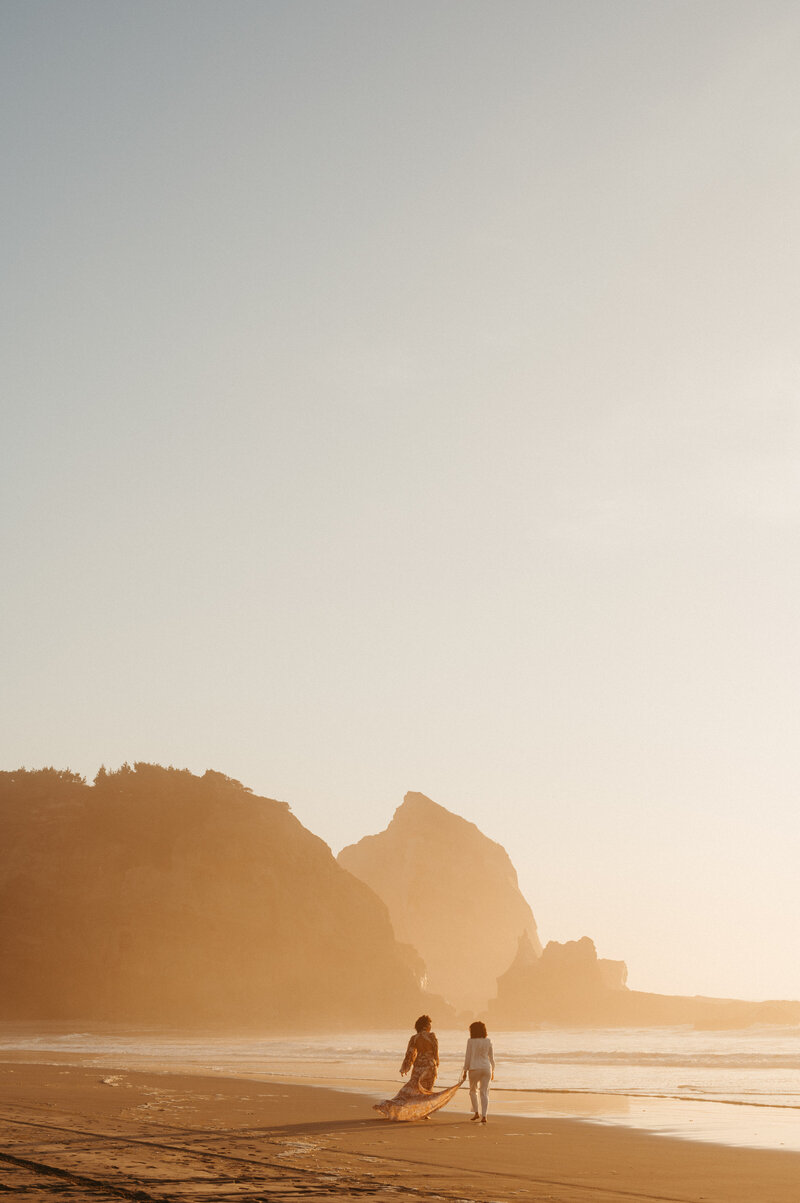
157, 896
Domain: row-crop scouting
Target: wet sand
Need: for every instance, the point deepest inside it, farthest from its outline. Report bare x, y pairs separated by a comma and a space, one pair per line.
83, 1133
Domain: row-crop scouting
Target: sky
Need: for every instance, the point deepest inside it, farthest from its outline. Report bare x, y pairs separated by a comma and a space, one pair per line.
406, 396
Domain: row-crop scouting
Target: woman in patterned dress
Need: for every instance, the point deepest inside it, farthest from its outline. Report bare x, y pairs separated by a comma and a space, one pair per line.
417, 1099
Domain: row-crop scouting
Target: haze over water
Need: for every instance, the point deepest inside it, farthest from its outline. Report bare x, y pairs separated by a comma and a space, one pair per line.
405, 397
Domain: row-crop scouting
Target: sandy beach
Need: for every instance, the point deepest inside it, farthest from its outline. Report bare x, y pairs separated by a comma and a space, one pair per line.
78, 1132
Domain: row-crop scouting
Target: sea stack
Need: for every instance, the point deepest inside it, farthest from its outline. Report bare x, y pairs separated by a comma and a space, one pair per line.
452, 893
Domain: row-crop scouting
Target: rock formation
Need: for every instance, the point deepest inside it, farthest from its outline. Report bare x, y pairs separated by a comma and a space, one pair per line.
569, 985
451, 892
157, 897
160, 897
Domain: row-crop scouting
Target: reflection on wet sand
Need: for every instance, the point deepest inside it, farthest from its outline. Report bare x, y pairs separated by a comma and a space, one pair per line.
574, 1104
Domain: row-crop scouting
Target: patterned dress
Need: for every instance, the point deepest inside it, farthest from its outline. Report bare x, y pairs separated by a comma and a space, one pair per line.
417, 1098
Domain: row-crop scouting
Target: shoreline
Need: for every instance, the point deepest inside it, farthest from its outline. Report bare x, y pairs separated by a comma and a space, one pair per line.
159, 1134
731, 1124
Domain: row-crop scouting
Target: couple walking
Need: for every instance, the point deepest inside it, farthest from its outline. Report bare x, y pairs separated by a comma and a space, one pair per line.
417, 1099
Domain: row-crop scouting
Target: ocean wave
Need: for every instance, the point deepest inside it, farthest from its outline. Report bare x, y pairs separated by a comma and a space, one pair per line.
705, 1060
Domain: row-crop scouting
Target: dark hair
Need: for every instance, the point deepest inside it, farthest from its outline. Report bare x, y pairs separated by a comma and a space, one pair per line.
477, 1029
423, 1022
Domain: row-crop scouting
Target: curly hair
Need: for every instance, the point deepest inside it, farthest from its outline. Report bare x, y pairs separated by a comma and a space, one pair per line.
423, 1022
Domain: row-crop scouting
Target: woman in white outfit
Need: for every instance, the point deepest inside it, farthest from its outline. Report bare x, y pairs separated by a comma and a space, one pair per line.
479, 1064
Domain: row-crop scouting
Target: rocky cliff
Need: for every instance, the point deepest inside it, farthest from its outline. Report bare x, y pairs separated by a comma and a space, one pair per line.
161, 897
567, 984
570, 985
451, 892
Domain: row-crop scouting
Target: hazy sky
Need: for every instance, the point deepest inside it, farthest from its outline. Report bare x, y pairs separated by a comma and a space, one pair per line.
407, 396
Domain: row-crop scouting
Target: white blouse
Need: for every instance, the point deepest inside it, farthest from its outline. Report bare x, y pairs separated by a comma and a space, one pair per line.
479, 1054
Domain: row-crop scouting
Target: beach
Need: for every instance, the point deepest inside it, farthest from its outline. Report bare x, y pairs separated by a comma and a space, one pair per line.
76, 1131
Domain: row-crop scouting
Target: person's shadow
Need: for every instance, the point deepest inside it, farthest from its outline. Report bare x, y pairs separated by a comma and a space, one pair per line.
321, 1127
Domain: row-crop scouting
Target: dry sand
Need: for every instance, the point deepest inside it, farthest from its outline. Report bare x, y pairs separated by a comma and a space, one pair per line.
82, 1133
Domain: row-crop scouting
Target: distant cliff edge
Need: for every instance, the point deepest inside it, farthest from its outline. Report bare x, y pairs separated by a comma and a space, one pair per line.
451, 892
570, 985
161, 898
156, 896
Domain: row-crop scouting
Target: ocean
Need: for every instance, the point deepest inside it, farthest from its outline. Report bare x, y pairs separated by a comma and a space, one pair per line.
730, 1087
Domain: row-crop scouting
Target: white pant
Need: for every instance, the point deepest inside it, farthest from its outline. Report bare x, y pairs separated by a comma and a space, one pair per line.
479, 1078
